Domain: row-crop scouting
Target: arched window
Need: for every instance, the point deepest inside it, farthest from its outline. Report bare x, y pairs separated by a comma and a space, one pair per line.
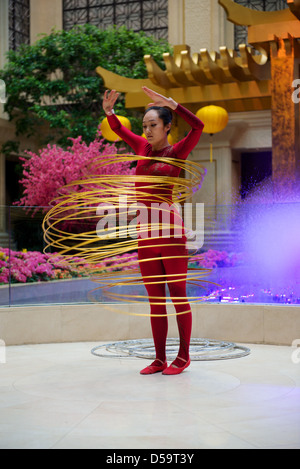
19, 23
150, 16
240, 32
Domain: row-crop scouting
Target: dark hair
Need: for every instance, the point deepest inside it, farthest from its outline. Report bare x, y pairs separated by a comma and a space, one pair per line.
164, 114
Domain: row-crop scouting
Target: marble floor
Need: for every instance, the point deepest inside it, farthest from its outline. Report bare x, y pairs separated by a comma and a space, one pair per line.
60, 396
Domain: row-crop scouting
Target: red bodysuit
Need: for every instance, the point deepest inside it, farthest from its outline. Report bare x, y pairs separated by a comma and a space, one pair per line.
163, 260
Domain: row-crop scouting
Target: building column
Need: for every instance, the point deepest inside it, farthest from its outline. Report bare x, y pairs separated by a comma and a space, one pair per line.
176, 21
4, 46
44, 16
3, 49
285, 64
206, 25
3, 31
2, 194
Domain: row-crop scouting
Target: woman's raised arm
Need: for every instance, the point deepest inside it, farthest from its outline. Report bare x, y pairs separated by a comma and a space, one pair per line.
136, 142
159, 99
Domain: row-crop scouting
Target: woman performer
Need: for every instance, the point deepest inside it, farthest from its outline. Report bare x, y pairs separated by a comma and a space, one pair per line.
162, 260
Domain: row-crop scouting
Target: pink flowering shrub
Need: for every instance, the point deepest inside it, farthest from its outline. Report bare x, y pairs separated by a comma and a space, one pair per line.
46, 173
23, 267
26, 267
212, 259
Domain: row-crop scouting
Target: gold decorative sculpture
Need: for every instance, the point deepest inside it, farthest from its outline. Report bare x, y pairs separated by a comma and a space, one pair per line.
196, 78
244, 16
201, 69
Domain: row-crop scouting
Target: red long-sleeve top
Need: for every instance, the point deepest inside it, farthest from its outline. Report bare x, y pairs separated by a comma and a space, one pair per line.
149, 193
140, 146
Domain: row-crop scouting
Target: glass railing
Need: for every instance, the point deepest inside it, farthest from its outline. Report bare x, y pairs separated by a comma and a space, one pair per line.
252, 253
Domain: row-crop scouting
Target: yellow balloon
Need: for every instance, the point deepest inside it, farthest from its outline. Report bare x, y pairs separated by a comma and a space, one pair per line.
215, 118
170, 139
108, 133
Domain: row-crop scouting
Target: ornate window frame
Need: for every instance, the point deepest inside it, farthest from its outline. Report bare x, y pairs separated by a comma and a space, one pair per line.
150, 16
19, 23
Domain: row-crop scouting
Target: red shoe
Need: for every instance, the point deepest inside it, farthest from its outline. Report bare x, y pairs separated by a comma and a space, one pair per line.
174, 370
151, 369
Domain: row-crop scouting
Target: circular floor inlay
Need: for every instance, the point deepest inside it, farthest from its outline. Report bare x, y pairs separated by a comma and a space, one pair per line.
200, 349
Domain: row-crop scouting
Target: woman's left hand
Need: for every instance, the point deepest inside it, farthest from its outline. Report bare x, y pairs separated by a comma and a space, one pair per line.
159, 100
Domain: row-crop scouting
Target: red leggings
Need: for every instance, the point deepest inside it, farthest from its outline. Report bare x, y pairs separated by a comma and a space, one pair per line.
164, 271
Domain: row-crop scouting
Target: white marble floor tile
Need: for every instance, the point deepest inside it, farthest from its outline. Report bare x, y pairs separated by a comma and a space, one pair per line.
62, 396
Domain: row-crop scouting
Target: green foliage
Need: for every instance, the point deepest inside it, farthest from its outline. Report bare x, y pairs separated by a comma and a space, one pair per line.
54, 81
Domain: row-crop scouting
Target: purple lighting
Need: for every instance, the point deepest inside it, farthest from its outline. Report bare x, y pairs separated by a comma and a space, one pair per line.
268, 240
272, 241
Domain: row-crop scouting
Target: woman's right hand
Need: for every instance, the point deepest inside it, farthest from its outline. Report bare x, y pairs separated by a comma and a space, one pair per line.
109, 101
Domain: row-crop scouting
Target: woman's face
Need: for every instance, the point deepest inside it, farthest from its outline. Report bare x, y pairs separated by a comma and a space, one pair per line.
155, 130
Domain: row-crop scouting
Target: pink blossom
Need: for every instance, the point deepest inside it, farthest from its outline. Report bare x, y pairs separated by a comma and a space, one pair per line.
35, 266
213, 258
46, 173
23, 267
